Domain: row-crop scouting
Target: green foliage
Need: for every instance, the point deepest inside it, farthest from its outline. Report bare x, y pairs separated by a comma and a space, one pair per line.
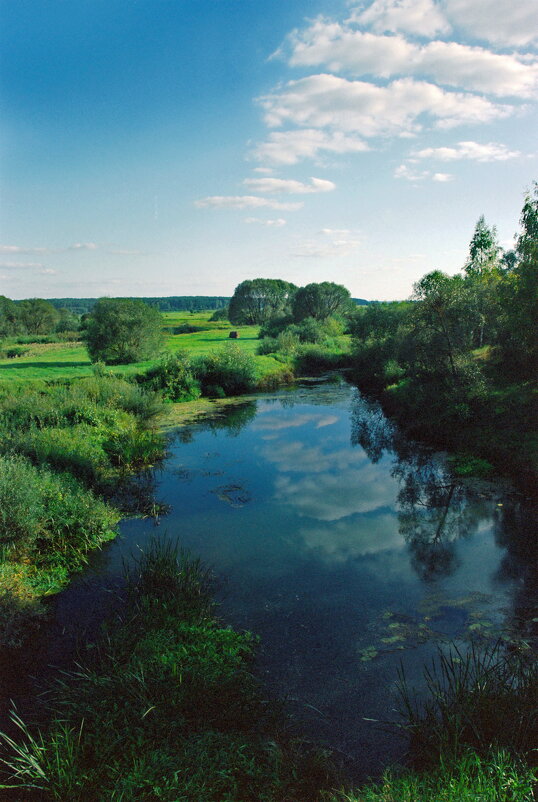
166, 709
484, 249
498, 777
256, 301
10, 318
230, 371
120, 331
38, 316
49, 517
173, 377
320, 301
483, 697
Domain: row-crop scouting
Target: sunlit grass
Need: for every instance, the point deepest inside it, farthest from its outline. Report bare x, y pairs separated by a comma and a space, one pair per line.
52, 361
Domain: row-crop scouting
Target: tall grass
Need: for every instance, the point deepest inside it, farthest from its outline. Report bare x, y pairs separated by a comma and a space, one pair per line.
498, 777
167, 709
484, 697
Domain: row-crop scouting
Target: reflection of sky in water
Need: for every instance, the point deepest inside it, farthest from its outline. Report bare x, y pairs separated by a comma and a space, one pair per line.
312, 543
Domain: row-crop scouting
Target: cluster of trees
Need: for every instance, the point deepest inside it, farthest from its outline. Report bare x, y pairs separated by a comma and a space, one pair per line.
34, 316
173, 303
493, 302
259, 300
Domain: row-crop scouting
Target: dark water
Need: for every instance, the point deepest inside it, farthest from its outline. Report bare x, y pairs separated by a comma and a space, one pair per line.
345, 548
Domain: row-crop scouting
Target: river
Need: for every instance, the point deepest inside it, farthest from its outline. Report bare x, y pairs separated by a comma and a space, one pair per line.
349, 550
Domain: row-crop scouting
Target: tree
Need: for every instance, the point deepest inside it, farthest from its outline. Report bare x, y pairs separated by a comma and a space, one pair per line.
10, 319
520, 293
484, 249
38, 316
123, 330
257, 300
320, 301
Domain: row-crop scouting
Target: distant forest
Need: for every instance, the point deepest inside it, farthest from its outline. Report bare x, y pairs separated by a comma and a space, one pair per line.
174, 303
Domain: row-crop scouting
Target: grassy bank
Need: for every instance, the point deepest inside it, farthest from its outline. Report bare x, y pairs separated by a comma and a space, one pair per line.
167, 709
64, 450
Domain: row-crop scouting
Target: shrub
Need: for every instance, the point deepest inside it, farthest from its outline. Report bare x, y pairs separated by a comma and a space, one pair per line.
230, 371
173, 378
123, 330
21, 505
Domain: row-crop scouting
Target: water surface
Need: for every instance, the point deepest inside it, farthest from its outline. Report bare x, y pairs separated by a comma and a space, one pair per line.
344, 547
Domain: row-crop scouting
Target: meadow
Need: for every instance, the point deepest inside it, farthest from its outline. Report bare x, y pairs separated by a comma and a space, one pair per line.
69, 360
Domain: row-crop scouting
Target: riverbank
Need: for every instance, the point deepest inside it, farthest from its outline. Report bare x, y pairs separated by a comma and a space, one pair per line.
167, 708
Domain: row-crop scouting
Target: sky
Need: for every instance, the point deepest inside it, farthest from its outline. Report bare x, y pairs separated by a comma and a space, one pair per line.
179, 147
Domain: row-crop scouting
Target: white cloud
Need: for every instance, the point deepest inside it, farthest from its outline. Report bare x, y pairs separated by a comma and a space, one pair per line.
289, 186
360, 53
289, 147
332, 232
83, 246
243, 202
490, 152
421, 17
317, 250
278, 223
22, 249
264, 170
323, 100
19, 265
412, 174
514, 23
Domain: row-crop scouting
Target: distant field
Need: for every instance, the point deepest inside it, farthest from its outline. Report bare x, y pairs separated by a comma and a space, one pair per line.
70, 360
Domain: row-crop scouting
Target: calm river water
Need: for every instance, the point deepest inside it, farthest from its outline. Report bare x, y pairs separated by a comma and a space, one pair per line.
348, 550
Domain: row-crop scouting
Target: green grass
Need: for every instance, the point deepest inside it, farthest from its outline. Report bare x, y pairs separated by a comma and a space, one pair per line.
166, 709
53, 361
495, 778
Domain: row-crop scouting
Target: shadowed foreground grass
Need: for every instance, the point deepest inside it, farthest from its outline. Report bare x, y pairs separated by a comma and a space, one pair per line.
168, 709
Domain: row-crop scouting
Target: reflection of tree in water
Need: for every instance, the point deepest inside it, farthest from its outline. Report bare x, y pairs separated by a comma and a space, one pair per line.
233, 418
515, 530
434, 510
136, 495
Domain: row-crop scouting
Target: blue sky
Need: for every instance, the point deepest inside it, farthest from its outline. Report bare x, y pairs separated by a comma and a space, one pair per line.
178, 147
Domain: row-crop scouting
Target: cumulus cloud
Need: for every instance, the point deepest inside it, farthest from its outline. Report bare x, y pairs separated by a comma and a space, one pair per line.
243, 202
421, 17
321, 101
289, 147
289, 186
515, 24
489, 152
341, 48
442, 178
278, 223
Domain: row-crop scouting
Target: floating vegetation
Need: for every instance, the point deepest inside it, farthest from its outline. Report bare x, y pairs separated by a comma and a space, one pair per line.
233, 494
439, 619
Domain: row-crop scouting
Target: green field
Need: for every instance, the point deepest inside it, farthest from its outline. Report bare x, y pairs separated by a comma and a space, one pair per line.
70, 359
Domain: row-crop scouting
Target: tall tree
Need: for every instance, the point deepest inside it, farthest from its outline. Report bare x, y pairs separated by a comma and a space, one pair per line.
38, 316
257, 300
10, 319
520, 293
123, 330
484, 250
320, 301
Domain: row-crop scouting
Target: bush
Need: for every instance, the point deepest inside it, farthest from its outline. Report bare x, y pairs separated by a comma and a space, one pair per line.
173, 378
123, 330
230, 371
